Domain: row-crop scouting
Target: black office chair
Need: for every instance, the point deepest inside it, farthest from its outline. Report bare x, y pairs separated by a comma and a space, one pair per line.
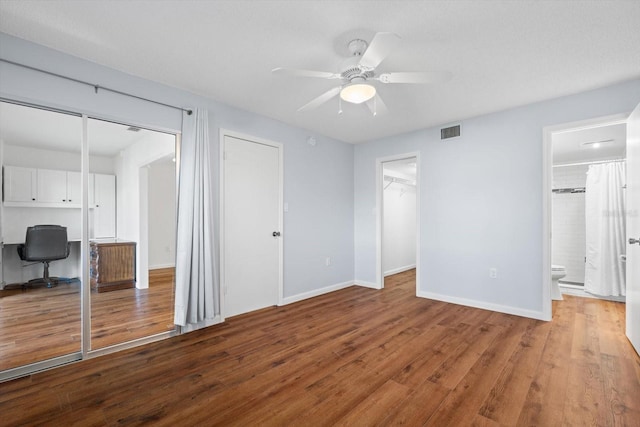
45, 243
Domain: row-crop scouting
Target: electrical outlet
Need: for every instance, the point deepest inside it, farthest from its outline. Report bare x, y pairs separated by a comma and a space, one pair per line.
493, 273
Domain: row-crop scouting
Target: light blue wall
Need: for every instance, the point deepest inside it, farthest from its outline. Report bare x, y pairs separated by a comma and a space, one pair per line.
318, 181
481, 194
481, 199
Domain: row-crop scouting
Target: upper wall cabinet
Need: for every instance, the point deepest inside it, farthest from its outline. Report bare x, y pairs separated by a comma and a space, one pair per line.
56, 187
20, 184
30, 187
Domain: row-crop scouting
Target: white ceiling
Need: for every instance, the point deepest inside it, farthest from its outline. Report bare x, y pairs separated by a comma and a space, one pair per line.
577, 146
43, 129
501, 53
405, 168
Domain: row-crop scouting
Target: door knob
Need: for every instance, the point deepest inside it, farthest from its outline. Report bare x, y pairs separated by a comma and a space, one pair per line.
276, 234
633, 241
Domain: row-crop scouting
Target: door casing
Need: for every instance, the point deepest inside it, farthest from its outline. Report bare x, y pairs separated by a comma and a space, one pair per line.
547, 182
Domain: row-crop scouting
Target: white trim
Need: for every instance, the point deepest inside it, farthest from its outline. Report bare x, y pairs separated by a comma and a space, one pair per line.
85, 257
41, 366
131, 344
379, 214
366, 284
189, 327
547, 181
315, 292
280, 147
399, 270
532, 314
161, 266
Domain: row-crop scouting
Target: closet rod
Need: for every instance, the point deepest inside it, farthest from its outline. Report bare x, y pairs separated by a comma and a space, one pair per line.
96, 87
397, 180
590, 163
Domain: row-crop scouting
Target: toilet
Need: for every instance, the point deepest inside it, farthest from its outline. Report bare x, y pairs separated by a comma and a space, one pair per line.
557, 273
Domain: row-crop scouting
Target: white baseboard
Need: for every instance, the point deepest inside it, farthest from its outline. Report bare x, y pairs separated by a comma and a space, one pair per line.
316, 292
159, 266
399, 270
205, 323
532, 314
366, 284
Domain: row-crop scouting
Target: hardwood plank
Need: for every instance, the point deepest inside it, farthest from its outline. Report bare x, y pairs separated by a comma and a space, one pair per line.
621, 391
463, 403
41, 323
588, 406
354, 357
506, 398
418, 406
377, 405
544, 403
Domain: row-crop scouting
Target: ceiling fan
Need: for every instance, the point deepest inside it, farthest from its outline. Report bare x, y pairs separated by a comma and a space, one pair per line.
358, 73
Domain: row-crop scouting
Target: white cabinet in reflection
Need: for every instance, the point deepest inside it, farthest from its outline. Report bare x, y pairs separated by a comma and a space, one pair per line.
20, 184
103, 201
56, 186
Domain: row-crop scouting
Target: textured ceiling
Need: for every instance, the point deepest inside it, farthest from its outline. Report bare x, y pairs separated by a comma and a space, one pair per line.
501, 53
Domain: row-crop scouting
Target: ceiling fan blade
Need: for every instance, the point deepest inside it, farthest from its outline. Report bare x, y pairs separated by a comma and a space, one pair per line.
381, 45
305, 73
415, 77
377, 106
321, 99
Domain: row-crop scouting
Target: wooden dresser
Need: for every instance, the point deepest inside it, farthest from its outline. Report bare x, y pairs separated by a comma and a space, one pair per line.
113, 264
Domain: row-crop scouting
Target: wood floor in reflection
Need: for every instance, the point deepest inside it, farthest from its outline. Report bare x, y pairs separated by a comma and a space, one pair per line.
41, 323
356, 357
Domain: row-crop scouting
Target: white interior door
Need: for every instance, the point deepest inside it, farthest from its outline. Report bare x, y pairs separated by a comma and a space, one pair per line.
252, 215
633, 228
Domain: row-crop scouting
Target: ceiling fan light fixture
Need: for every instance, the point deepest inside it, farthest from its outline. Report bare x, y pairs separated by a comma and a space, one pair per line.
357, 93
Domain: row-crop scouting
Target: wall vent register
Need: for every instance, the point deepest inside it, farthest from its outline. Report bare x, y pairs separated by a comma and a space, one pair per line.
450, 132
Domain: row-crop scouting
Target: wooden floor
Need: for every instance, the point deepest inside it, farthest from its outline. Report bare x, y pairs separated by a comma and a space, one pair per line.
41, 323
356, 357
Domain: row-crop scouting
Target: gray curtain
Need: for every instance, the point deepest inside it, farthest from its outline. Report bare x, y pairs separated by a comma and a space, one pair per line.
197, 303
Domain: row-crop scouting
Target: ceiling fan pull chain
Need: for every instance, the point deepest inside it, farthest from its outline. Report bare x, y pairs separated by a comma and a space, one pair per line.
339, 105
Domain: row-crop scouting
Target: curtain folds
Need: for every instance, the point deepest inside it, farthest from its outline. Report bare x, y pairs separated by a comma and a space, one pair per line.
605, 229
196, 301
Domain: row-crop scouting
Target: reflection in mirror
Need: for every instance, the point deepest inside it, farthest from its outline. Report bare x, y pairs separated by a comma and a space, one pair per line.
41, 163
132, 205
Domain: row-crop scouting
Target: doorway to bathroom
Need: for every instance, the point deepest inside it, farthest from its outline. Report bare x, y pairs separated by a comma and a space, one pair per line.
398, 217
587, 206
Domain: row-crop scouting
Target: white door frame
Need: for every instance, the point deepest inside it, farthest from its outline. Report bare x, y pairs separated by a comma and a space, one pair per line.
279, 147
380, 213
547, 183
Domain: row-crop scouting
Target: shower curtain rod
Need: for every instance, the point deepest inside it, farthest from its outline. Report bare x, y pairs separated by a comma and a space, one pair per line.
572, 190
96, 87
590, 163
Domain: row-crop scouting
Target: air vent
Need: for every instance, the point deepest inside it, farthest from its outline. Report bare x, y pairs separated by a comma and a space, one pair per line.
450, 132
133, 129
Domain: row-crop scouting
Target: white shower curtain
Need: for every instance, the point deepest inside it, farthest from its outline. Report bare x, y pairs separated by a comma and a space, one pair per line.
605, 229
197, 303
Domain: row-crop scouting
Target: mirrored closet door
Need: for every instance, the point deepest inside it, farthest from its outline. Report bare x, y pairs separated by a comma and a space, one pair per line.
40, 219
48, 314
132, 205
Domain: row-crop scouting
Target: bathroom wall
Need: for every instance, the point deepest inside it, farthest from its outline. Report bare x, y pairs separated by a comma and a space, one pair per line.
568, 222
